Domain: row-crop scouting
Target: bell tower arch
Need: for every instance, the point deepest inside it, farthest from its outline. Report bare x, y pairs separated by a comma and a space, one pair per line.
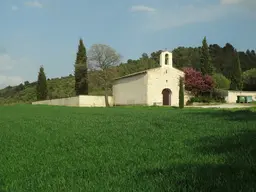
166, 59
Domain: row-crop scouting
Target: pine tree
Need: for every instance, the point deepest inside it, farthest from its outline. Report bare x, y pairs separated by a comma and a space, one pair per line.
236, 76
81, 70
181, 93
205, 59
41, 88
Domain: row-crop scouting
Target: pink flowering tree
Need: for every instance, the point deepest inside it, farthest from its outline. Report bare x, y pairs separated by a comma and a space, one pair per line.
196, 83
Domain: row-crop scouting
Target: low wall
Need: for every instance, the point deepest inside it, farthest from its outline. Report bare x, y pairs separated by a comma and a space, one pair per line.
232, 95
94, 101
79, 101
71, 101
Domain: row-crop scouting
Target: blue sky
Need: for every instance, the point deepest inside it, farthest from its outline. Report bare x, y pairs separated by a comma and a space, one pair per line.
46, 32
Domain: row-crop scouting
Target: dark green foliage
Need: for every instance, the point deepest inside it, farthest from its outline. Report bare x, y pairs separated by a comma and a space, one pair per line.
205, 59
247, 60
249, 80
236, 77
200, 99
220, 81
20, 87
219, 95
186, 57
81, 70
26, 83
147, 149
41, 87
181, 93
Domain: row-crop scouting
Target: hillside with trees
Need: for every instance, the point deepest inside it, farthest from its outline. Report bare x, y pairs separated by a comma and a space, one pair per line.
229, 68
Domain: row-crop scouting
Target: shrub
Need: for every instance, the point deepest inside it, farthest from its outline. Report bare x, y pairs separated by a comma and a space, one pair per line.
220, 81
217, 96
199, 99
203, 99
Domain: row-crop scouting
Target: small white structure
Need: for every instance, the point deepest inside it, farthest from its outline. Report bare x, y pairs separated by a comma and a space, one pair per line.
231, 96
157, 86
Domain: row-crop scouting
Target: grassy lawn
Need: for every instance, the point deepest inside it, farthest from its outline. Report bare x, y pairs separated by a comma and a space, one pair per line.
126, 149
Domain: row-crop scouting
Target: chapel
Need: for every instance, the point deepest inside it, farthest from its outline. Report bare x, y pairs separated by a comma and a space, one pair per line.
157, 86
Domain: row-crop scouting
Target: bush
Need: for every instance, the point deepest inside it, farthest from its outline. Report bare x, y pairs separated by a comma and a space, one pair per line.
218, 96
200, 99
220, 81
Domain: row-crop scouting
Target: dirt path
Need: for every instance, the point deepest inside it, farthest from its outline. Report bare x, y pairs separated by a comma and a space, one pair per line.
225, 106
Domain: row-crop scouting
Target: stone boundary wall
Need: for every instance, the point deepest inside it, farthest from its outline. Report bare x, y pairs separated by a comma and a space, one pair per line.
94, 101
79, 101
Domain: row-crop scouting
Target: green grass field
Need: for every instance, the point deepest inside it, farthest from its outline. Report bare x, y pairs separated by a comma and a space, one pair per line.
45, 148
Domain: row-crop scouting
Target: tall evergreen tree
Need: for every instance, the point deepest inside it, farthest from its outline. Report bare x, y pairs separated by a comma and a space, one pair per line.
181, 93
236, 77
81, 70
41, 88
205, 59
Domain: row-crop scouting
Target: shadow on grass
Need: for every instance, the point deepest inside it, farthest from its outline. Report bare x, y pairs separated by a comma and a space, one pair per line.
234, 170
201, 178
2, 186
230, 115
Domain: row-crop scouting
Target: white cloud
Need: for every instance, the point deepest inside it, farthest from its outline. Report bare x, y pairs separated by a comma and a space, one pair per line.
14, 8
248, 4
176, 15
182, 15
228, 2
6, 62
35, 4
142, 8
14, 70
10, 80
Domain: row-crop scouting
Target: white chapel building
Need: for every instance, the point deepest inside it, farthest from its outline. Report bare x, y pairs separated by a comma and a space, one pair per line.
157, 86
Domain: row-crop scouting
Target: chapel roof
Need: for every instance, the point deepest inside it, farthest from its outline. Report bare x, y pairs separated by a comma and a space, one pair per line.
134, 74
141, 72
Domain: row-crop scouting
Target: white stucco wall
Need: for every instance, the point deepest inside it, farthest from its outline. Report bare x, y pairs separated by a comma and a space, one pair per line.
232, 95
161, 78
79, 101
94, 101
131, 90
71, 101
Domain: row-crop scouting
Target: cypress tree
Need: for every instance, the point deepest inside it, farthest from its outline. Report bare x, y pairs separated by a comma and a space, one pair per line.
181, 93
236, 76
41, 88
205, 59
81, 70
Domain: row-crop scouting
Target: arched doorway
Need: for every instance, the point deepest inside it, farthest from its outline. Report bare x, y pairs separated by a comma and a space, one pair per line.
166, 96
